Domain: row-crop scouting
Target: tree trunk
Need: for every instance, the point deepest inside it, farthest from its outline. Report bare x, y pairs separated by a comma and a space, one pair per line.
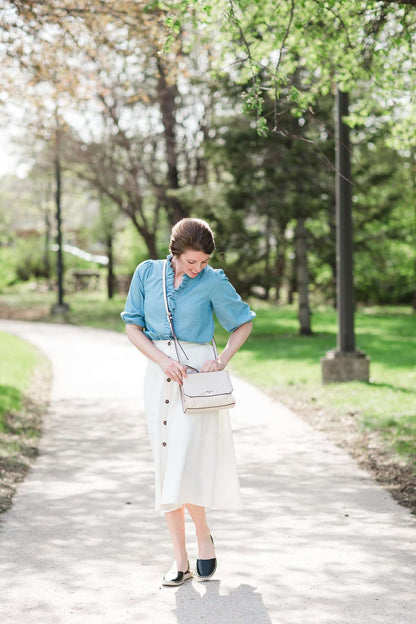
148, 236
413, 169
46, 263
280, 261
267, 265
167, 93
302, 275
279, 269
293, 286
110, 267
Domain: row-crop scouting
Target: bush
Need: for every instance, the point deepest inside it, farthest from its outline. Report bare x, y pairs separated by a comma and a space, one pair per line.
24, 259
7, 268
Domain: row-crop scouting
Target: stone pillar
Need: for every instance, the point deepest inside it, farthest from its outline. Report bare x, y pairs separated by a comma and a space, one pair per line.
348, 366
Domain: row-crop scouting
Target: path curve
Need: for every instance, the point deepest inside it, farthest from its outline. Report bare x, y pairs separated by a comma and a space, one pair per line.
318, 542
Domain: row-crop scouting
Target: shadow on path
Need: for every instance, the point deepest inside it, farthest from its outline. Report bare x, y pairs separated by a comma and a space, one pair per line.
243, 605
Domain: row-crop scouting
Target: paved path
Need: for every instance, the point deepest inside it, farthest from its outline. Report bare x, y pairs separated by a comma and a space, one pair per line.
317, 543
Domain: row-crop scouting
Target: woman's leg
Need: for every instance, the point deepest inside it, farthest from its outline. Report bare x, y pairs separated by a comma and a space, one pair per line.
206, 548
176, 524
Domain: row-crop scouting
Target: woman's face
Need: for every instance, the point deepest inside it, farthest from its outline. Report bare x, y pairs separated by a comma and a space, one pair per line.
191, 262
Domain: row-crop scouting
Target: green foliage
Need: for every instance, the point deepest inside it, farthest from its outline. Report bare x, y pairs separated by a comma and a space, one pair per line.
10, 401
344, 42
238, 245
29, 258
22, 260
172, 138
266, 184
384, 221
130, 250
25, 259
7, 268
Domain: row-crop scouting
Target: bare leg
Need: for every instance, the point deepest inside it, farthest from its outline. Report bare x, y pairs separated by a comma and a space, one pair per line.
206, 549
176, 524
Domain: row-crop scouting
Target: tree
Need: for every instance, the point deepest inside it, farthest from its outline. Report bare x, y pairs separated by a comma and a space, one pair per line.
129, 110
347, 42
277, 182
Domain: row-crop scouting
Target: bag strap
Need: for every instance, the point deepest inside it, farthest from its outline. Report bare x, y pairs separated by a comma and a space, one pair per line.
169, 315
170, 320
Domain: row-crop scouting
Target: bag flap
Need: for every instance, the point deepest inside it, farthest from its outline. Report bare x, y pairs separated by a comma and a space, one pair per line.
207, 384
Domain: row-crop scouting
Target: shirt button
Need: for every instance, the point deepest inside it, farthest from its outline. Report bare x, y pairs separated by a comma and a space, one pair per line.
167, 401
165, 422
163, 443
168, 379
169, 343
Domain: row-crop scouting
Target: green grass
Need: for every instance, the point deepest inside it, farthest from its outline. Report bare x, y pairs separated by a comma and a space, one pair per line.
16, 368
285, 364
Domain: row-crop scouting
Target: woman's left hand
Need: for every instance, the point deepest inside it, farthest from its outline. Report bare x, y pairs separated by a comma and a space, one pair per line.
212, 365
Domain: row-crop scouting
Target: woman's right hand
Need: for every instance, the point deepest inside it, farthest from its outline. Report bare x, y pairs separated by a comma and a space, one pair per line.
173, 369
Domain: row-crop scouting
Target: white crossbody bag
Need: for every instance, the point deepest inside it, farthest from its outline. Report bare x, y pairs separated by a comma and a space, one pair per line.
201, 392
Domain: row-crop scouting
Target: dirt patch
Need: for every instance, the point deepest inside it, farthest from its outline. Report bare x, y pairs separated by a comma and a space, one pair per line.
367, 447
35, 313
19, 443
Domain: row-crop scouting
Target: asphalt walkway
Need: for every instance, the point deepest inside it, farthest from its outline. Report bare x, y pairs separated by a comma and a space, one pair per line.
317, 542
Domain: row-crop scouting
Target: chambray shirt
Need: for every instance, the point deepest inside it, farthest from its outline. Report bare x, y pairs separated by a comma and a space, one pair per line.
192, 304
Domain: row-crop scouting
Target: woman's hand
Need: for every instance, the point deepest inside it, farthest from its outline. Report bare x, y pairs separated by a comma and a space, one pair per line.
173, 369
237, 338
211, 366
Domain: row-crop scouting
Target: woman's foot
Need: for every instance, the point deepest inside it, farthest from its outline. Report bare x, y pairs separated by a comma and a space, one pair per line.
206, 566
206, 549
176, 577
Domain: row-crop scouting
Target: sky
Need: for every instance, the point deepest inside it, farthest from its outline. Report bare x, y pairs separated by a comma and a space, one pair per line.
8, 160
10, 156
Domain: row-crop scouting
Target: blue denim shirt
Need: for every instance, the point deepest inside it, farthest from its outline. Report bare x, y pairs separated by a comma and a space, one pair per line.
192, 304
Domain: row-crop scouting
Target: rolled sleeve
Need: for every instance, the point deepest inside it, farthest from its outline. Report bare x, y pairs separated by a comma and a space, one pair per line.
230, 310
133, 313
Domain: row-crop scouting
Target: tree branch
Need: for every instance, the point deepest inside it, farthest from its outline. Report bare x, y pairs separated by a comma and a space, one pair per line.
279, 60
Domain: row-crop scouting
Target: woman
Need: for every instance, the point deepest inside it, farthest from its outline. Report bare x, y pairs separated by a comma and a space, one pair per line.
193, 453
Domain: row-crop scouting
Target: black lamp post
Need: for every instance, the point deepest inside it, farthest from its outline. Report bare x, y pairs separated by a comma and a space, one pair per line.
344, 363
60, 307
345, 287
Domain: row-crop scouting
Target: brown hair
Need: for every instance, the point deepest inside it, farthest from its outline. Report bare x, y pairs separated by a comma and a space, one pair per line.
192, 234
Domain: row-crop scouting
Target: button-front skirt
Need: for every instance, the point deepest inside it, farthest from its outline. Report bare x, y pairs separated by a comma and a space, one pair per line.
193, 453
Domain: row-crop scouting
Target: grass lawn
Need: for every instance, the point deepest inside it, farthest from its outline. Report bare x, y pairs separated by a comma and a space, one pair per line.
281, 362
16, 367
287, 365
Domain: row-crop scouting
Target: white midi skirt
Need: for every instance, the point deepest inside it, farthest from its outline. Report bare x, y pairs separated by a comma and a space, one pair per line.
193, 453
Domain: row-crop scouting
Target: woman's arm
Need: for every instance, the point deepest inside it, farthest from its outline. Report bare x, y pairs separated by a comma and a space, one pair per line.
236, 340
170, 367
